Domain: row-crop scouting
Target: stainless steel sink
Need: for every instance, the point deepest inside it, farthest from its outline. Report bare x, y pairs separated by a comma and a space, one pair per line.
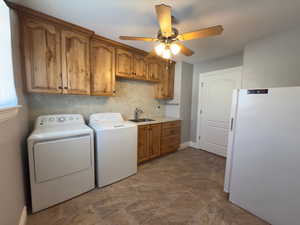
141, 120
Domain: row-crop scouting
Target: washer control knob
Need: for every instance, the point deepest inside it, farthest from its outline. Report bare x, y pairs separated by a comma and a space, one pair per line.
61, 119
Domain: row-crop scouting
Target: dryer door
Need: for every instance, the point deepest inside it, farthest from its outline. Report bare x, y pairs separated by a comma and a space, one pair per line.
57, 158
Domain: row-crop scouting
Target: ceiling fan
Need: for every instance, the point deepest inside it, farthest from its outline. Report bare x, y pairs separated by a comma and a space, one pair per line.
169, 37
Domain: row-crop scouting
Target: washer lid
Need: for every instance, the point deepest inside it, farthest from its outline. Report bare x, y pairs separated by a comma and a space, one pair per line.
54, 132
112, 125
106, 117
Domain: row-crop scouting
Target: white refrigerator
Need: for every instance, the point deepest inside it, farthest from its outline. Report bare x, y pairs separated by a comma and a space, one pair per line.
263, 161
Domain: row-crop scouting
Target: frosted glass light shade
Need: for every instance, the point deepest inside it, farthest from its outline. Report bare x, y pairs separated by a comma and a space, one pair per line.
159, 49
175, 48
166, 54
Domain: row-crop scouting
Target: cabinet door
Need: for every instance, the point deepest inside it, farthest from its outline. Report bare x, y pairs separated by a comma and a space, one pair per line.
143, 143
124, 63
154, 70
165, 89
42, 56
75, 63
139, 67
154, 140
171, 79
102, 69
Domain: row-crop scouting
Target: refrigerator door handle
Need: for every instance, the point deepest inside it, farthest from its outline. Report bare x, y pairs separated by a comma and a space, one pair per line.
231, 124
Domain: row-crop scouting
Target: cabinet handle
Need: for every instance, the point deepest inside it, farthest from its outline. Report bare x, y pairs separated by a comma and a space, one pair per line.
114, 91
59, 87
65, 87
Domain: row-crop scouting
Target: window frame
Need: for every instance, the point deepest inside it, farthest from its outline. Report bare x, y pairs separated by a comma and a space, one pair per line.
8, 112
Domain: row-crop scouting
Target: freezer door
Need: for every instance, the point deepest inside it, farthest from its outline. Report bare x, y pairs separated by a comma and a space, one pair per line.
266, 155
229, 153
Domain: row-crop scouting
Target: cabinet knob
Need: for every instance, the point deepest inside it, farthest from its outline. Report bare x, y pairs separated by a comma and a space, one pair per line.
59, 87
114, 91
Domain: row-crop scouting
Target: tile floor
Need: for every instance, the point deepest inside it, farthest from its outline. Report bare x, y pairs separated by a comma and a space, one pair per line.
184, 188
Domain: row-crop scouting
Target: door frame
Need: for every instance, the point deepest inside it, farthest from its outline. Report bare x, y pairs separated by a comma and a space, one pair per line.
200, 95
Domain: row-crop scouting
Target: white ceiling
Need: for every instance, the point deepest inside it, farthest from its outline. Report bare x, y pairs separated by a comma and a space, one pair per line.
243, 20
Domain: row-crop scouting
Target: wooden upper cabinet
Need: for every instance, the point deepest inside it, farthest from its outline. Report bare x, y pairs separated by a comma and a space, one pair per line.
165, 89
75, 62
154, 70
154, 140
124, 63
42, 56
139, 67
102, 68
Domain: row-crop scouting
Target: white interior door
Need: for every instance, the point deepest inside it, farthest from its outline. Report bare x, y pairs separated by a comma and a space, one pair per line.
216, 90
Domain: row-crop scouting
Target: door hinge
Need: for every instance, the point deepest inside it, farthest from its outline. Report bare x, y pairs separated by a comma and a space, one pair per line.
201, 111
199, 137
202, 84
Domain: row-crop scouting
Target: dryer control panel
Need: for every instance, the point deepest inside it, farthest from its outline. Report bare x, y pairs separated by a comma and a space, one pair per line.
59, 119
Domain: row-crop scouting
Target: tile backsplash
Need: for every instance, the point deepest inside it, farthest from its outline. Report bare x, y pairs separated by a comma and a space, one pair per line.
130, 94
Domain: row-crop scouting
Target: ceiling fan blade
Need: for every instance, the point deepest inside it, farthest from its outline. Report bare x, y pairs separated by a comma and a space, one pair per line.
184, 50
164, 18
138, 38
206, 32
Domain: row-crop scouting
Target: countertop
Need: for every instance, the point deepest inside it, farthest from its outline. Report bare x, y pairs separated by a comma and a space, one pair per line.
158, 120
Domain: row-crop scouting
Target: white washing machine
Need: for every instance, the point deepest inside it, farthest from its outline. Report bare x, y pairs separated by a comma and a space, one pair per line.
61, 159
116, 147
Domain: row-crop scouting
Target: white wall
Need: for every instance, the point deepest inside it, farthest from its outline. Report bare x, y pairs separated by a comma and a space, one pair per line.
273, 61
208, 66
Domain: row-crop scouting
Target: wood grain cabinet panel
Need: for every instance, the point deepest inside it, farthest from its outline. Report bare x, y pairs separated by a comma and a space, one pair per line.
154, 140
75, 63
102, 68
165, 89
42, 56
143, 143
124, 63
139, 67
154, 70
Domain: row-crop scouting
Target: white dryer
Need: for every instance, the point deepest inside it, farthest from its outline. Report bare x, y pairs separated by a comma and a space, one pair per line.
116, 147
61, 159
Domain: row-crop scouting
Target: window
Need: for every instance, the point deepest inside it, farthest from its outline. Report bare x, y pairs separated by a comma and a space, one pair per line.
8, 97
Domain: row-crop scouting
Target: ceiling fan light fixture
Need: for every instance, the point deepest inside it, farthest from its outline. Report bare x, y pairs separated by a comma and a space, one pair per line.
160, 48
175, 48
166, 53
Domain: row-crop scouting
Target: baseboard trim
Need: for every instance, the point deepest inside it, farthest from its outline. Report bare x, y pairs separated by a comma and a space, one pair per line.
194, 145
185, 145
23, 217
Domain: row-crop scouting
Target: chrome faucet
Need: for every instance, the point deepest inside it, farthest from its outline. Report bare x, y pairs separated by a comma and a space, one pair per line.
137, 112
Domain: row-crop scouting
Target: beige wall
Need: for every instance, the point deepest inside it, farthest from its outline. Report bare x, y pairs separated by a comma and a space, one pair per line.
13, 135
130, 94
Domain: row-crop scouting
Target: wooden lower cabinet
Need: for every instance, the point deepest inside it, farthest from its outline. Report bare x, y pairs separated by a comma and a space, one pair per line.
155, 140
148, 142
170, 138
143, 143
